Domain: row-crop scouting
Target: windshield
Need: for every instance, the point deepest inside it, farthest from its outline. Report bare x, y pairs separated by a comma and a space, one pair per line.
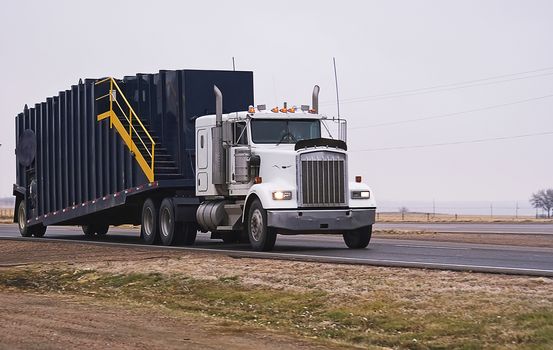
284, 131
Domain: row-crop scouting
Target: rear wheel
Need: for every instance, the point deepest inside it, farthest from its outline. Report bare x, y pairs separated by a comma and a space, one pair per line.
359, 238
262, 238
171, 231
27, 231
102, 230
39, 230
89, 230
149, 229
24, 230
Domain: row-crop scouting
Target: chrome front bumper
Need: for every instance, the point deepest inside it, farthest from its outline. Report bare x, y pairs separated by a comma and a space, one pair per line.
321, 220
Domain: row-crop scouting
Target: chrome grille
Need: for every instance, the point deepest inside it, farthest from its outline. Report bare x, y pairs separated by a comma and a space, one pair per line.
322, 179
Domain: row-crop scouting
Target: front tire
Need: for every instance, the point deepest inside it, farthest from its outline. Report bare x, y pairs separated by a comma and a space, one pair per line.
262, 238
359, 238
149, 228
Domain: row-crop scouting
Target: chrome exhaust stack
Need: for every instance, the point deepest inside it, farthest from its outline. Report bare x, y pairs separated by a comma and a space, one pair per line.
218, 162
315, 99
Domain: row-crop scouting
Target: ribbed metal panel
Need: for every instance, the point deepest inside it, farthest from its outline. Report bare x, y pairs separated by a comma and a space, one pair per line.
80, 160
322, 179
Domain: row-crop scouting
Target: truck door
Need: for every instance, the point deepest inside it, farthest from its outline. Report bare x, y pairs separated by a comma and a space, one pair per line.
202, 154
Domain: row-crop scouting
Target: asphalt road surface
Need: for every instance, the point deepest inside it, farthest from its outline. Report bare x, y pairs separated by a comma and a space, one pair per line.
330, 248
501, 228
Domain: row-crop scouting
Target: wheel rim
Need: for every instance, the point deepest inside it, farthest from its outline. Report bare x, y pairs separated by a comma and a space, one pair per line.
166, 222
256, 225
21, 218
148, 222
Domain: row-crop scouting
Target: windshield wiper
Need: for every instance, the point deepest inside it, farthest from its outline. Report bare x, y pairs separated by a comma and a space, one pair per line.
289, 135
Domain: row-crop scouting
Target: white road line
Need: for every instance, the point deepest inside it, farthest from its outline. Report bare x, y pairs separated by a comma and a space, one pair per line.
429, 247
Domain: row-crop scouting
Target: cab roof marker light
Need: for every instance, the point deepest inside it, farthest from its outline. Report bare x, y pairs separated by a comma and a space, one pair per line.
251, 109
274, 110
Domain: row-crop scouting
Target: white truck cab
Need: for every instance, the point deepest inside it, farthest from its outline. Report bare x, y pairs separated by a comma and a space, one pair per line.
261, 173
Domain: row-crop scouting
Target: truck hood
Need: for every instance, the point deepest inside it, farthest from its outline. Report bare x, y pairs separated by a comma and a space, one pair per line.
278, 165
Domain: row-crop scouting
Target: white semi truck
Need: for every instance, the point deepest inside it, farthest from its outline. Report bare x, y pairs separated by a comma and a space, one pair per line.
272, 172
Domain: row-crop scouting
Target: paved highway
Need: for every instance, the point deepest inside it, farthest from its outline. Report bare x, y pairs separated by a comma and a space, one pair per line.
537, 228
381, 252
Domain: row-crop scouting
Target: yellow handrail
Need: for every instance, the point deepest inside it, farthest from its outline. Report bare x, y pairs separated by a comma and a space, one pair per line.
127, 132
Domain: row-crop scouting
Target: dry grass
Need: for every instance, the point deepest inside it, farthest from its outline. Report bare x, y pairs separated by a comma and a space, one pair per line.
426, 217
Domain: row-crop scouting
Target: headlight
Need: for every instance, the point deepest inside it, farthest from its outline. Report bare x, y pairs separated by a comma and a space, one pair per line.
360, 194
282, 195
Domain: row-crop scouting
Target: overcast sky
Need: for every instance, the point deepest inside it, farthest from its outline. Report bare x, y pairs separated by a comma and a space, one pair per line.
381, 48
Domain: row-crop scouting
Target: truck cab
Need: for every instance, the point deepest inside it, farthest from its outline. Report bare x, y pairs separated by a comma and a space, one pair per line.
261, 173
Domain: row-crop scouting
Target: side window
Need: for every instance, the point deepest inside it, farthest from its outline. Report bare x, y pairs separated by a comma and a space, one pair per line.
240, 133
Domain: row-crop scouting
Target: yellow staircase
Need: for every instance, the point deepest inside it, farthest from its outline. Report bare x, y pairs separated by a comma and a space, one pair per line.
128, 125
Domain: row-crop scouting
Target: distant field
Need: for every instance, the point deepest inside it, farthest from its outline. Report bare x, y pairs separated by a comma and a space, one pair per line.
6, 215
429, 217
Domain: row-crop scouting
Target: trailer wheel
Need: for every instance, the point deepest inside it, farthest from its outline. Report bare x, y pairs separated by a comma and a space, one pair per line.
149, 229
262, 238
171, 231
89, 230
39, 230
189, 233
24, 230
102, 230
359, 238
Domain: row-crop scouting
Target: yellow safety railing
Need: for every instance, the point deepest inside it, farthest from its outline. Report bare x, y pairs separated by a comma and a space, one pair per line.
133, 123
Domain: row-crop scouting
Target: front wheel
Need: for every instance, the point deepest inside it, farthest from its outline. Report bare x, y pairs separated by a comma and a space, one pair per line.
359, 238
262, 238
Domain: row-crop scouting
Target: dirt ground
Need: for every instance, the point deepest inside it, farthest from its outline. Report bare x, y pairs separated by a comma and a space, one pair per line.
31, 321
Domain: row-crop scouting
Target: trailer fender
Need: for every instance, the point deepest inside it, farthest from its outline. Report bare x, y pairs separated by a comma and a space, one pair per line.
185, 208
